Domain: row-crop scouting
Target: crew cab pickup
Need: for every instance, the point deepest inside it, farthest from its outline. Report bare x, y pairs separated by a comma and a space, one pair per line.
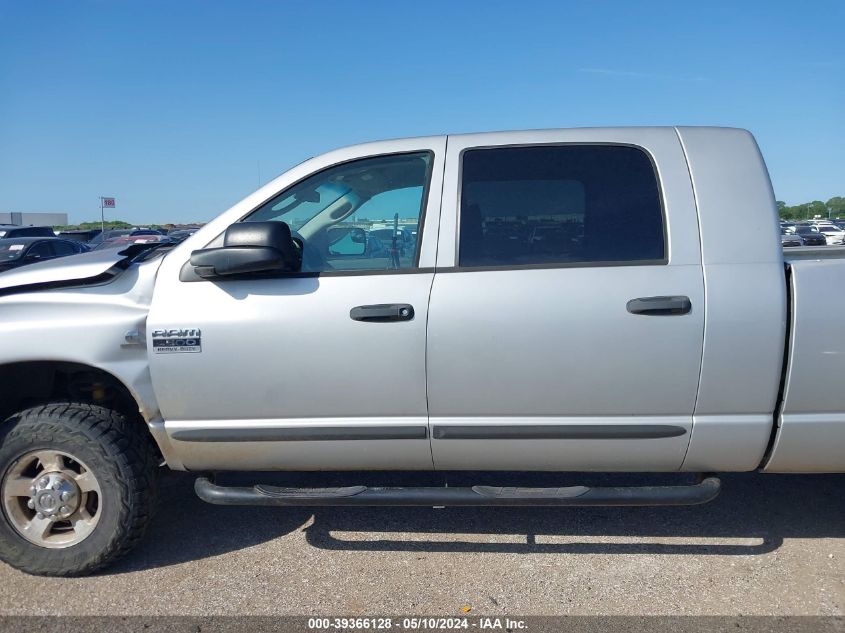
571, 303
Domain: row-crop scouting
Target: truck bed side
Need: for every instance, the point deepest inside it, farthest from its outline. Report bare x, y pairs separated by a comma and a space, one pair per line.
811, 422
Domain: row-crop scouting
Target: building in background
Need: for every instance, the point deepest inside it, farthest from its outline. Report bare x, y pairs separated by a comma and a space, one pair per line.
33, 219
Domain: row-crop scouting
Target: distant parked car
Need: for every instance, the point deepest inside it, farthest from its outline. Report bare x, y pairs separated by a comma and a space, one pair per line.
404, 240
13, 230
145, 232
108, 234
833, 234
790, 239
80, 235
811, 235
20, 251
128, 240
179, 235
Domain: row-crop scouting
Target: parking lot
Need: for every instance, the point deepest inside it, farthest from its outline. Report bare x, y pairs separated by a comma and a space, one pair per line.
770, 544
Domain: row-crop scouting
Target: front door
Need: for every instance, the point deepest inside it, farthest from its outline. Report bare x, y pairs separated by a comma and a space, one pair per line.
320, 369
567, 313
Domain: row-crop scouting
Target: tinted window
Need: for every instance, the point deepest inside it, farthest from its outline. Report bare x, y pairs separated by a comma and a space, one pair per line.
562, 204
11, 250
41, 250
64, 248
350, 217
32, 231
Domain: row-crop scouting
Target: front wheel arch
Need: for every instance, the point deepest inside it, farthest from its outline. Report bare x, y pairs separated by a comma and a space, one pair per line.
29, 383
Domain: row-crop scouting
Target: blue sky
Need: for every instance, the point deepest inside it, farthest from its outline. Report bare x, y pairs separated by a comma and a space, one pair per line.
173, 107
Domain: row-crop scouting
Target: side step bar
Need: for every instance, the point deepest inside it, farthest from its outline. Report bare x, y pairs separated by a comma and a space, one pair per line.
262, 495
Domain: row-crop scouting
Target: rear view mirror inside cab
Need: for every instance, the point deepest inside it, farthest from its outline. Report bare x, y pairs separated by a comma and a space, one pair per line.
308, 196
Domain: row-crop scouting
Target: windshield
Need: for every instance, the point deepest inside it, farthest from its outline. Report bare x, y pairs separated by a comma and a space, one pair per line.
807, 229
11, 251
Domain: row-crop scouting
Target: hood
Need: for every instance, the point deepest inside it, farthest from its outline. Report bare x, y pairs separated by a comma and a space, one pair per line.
76, 270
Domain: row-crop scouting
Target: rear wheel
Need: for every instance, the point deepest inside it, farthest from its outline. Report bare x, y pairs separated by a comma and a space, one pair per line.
77, 484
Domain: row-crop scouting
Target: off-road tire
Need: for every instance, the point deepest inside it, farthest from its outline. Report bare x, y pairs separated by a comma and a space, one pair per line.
123, 458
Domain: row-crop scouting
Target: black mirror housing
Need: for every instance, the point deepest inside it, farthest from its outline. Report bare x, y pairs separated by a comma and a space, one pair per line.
235, 260
250, 247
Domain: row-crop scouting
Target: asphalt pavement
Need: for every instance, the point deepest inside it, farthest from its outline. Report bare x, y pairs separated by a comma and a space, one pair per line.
770, 544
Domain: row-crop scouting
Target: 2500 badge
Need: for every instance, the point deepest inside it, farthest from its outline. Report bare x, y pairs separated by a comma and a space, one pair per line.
177, 340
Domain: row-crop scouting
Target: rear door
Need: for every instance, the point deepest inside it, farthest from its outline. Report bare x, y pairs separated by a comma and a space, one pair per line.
566, 317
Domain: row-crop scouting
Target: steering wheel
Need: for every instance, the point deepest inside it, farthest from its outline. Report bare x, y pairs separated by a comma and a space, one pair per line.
312, 258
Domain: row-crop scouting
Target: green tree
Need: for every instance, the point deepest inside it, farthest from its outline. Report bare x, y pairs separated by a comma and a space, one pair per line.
817, 207
836, 205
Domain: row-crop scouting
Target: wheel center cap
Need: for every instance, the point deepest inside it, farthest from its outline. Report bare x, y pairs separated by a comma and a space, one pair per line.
55, 495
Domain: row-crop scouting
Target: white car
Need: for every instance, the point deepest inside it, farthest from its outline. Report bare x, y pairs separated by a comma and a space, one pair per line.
833, 234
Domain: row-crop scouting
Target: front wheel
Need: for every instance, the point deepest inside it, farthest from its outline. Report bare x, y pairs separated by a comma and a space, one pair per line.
77, 484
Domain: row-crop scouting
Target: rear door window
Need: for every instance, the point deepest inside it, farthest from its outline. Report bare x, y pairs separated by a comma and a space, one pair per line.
559, 205
63, 249
40, 250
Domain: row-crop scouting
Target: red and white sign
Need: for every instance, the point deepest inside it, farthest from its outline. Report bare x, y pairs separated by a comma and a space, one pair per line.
108, 202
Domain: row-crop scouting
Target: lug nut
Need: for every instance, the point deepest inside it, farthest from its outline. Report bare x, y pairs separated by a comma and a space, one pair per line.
40, 515
52, 518
65, 495
31, 504
33, 490
57, 485
43, 482
64, 510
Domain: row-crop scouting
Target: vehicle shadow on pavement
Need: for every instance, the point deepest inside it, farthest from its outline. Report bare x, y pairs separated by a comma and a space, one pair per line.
753, 515
185, 528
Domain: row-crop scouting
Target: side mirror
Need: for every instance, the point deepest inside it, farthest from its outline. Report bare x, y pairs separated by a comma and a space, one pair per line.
250, 247
351, 243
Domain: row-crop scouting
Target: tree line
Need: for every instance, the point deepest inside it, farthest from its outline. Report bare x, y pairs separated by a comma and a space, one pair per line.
833, 208
117, 224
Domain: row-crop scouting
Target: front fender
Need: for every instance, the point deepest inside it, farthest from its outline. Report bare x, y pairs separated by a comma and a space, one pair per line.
101, 326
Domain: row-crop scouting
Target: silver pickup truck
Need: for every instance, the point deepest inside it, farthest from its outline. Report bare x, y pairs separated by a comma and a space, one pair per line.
556, 300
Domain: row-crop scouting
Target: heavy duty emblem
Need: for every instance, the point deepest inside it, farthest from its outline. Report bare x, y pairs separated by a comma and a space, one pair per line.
177, 340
